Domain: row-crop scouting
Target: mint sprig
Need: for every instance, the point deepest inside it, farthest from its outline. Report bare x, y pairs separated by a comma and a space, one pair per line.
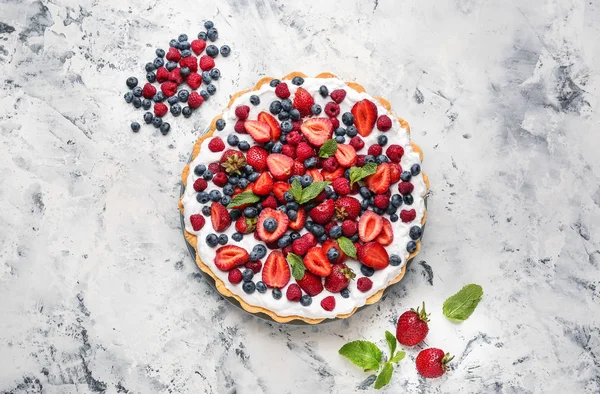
247, 197
302, 196
297, 264
462, 304
358, 173
328, 148
296, 190
347, 246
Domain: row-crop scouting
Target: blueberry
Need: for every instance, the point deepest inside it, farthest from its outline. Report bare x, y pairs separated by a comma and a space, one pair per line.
212, 51
345, 293
292, 205
297, 81
137, 91
228, 190
294, 177
244, 146
366, 271
170, 66
211, 89
209, 25
128, 97
286, 126
237, 237
250, 212
146, 104
408, 199
323, 91
232, 139
160, 52
137, 102
205, 95
369, 159
309, 224
249, 287
295, 235
234, 180
184, 71
283, 115
396, 200
148, 117
159, 97
132, 82
215, 74
184, 46
235, 214
318, 230
173, 99
274, 83
247, 274
214, 195
382, 140
351, 131
183, 95
225, 50
295, 114
354, 238
149, 67
391, 209
270, 225
340, 139
335, 232
378, 211
282, 208
243, 183
199, 169
348, 118
277, 147
287, 196
364, 204
208, 175
330, 192
135, 126
202, 35
253, 177
254, 100
340, 131
405, 176
322, 238
261, 250
182, 37
223, 239
393, 218
206, 210
395, 260
202, 197
261, 287
316, 109
415, 232
382, 159
311, 162
292, 214
306, 180
333, 255
174, 43
212, 240
176, 109
284, 241
287, 105
415, 169
276, 294
212, 34
186, 112
151, 77
305, 300
158, 63
206, 78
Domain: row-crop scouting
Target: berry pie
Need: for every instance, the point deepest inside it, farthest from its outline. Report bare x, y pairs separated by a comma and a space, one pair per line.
305, 199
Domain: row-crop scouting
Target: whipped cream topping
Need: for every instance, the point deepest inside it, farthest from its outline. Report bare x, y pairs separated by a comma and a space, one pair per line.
381, 278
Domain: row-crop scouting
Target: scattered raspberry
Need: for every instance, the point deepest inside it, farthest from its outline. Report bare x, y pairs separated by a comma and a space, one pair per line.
220, 179
310, 239
297, 125
190, 62
357, 143
405, 188
289, 151
200, 185
160, 109
168, 88
408, 216
335, 123
206, 63
341, 186
394, 152
287, 250
304, 151
328, 303
282, 91
330, 164
332, 109
381, 201
255, 266
216, 145
235, 276
294, 138
148, 91
301, 245
214, 168
198, 46
269, 202
175, 76
162, 75
197, 221
298, 167
195, 100
360, 161
375, 150
173, 55
384, 123
194, 80
364, 284
338, 95
242, 112
293, 292
239, 127
349, 227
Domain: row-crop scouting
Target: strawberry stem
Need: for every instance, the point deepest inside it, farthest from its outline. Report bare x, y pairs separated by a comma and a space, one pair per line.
423, 315
445, 360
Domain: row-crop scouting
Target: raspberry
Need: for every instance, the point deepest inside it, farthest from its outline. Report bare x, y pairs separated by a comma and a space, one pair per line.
162, 75
148, 91
220, 179
408, 216
304, 151
289, 151
375, 150
349, 227
282, 91
364, 284
198, 46
328, 303
297, 125
328, 226
405, 188
341, 186
294, 138
321, 197
310, 239
194, 80
235, 276
255, 266
394, 152
335, 123
338, 95
381, 201
173, 55
197, 222
287, 250
214, 168
330, 164
195, 100
269, 202
190, 62
242, 112
293, 292
160, 109
357, 143
216, 145
168, 88
298, 167
200, 185
360, 160
206, 63
301, 245
384, 123
175, 76
239, 127
332, 110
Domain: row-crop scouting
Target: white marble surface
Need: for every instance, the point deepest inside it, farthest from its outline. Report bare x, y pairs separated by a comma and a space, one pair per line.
99, 295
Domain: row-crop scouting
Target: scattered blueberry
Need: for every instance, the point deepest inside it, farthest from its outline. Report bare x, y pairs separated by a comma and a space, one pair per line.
135, 126
382, 159
184, 71
212, 89
287, 105
148, 117
151, 77
146, 104
254, 100
284, 241
208, 175
276, 294
212, 51
149, 67
234, 180
170, 66
215, 74
212, 240
214, 195
292, 213
137, 102
260, 250
183, 95
345, 293
282, 208
354, 238
254, 176
277, 147
137, 91
174, 43
335, 232
184, 45
295, 114
348, 118
340, 139
297, 81
212, 34
243, 183
235, 214
206, 78
204, 94
223, 239
157, 63
364, 204
202, 35
202, 197
318, 230
158, 97
295, 235
206, 210
366, 271
176, 109
395, 260
415, 232
250, 212
270, 225
311, 162
244, 146
351, 131
287, 196
323, 91
369, 159
247, 274
186, 53
396, 200
199, 169
186, 112
132, 82
261, 287
182, 37
225, 50
283, 115
173, 99
232, 139
333, 255
316, 109
160, 52
364, 192
237, 237
415, 169
306, 180
249, 287
408, 199
220, 124
228, 190
405, 176
306, 300
286, 126
391, 209
128, 97
382, 140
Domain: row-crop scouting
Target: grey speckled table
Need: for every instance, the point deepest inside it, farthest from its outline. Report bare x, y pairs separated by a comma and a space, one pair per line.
99, 295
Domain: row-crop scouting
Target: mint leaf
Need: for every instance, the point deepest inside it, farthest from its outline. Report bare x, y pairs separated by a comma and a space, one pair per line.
358, 173
384, 376
462, 304
398, 357
313, 191
391, 340
328, 149
355, 173
362, 353
347, 246
296, 190
297, 265
246, 197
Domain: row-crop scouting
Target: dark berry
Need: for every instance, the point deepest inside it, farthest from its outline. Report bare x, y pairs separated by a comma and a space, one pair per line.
275, 107
287, 105
164, 128
176, 109
333, 255
323, 91
212, 51
184, 45
233, 180
316, 109
212, 240
382, 140
415, 232
261, 287
369, 159
415, 169
345, 293
215, 74
295, 114
160, 52
235, 214
396, 200
284, 241
211, 89
251, 212
283, 115
206, 78
348, 118
274, 82
287, 196
395, 260
206, 210
182, 37
135, 126
158, 63
186, 112
199, 169
232, 139
225, 50
149, 67
306, 180
295, 235
270, 225
209, 25
228, 190
311, 162
137, 91
146, 104
208, 175
148, 117
137, 102
351, 131
151, 77
237, 237
170, 66
223, 239
364, 192
408, 199
260, 250
173, 99
297, 81
366, 271
159, 97
405, 176
183, 95
335, 232
249, 287
292, 214
202, 35
247, 274
305, 300
212, 34
354, 238
340, 139
243, 183
214, 195
128, 97
318, 230
286, 126
205, 95
254, 100
132, 82
244, 146
220, 124
276, 294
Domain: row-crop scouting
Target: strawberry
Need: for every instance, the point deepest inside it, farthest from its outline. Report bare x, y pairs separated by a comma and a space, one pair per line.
412, 327
369, 226
386, 236
260, 131
288, 150
219, 216
200, 185
168, 88
273, 124
320, 197
304, 151
257, 158
300, 219
162, 75
328, 303
294, 138
345, 155
197, 222
338, 95
220, 179
232, 161
357, 143
341, 186
282, 91
300, 246
216, 144
347, 208
276, 272
330, 164
195, 100
280, 166
364, 284
316, 262
315, 174
303, 102
374, 255
206, 63
194, 80
293, 292
198, 46
330, 176
148, 91
375, 150
332, 243
405, 188
245, 225
365, 114
282, 224
190, 62
394, 153
173, 55
242, 112
270, 202
379, 182
160, 109
384, 123
408, 216
263, 184
349, 227
332, 109
230, 256
175, 76
323, 213
432, 362
317, 130
298, 167
381, 201
279, 189
310, 283
395, 171
235, 276
339, 278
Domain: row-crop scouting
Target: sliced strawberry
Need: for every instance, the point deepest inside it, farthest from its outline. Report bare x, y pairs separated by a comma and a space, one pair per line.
282, 224
379, 182
273, 124
263, 184
230, 256
332, 175
310, 283
395, 171
260, 131
365, 115
316, 262
245, 225
317, 130
303, 102
280, 166
276, 272
374, 255
345, 155
219, 216
300, 219
369, 226
323, 213
279, 189
386, 236
315, 174
332, 243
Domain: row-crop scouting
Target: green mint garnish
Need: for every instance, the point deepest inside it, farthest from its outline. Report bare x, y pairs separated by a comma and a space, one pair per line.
462, 304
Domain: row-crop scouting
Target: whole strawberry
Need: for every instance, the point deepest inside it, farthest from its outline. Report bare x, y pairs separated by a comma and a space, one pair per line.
339, 278
432, 362
412, 327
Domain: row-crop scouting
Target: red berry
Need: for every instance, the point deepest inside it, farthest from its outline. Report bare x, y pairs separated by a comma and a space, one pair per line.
412, 327
168, 88
408, 216
293, 293
190, 62
148, 91
357, 143
332, 109
432, 362
301, 245
206, 63
235, 276
220, 179
405, 188
162, 75
328, 303
304, 151
214, 168
335, 123
298, 168
257, 158
198, 46
349, 227
197, 221
239, 127
269, 202
194, 80
294, 138
375, 150
255, 266
381, 201
282, 91
338, 95
242, 112
384, 123
303, 101
173, 55
289, 151
330, 164
200, 185
160, 109
297, 125
341, 186
394, 152
195, 100
360, 161
216, 145
364, 284
175, 76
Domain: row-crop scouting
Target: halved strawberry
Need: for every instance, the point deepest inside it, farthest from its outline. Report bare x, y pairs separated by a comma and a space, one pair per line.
273, 124
316, 262
369, 226
300, 219
345, 155
276, 272
379, 182
280, 166
365, 115
230, 256
263, 184
386, 236
332, 243
303, 102
310, 283
245, 225
395, 171
279, 189
219, 217
374, 255
315, 174
323, 212
332, 175
317, 130
282, 224
260, 131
